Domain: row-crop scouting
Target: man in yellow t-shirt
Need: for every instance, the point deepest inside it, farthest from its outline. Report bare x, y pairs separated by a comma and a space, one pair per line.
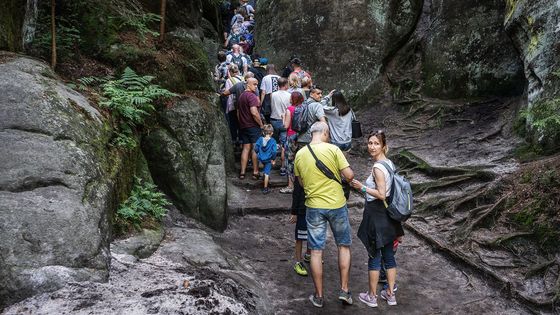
325, 203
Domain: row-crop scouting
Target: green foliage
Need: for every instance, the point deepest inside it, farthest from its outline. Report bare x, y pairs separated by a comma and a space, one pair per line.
539, 214
544, 116
131, 98
140, 23
68, 37
145, 203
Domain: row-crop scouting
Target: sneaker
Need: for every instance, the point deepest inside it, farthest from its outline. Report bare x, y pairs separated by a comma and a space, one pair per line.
369, 300
283, 172
286, 190
265, 190
307, 257
300, 269
316, 301
391, 300
345, 297
386, 287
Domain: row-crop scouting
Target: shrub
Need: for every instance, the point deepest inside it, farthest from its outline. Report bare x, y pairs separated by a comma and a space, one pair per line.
145, 203
131, 98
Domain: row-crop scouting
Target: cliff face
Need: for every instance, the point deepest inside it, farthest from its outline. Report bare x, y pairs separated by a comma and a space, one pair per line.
57, 182
447, 49
61, 177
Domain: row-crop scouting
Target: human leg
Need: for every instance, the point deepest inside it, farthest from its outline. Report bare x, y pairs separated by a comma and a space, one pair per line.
344, 258
390, 263
255, 160
245, 156
300, 236
316, 237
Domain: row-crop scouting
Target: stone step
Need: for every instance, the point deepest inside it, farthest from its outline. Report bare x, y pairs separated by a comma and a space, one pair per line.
248, 199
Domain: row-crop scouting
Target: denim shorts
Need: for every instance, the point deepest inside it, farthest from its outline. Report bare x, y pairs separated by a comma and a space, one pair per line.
279, 130
317, 227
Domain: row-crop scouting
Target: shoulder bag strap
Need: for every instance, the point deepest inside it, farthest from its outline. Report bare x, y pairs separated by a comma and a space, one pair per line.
327, 174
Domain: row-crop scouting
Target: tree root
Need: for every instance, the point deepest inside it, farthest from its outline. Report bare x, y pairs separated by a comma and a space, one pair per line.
468, 284
442, 183
499, 241
409, 159
470, 198
465, 231
539, 268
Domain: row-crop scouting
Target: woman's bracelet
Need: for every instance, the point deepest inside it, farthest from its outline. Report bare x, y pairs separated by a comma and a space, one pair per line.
364, 189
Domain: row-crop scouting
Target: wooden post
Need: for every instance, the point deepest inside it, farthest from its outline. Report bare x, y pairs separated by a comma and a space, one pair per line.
162, 21
53, 34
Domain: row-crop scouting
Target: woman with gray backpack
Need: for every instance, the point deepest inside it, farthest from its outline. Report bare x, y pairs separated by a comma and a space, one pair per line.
378, 230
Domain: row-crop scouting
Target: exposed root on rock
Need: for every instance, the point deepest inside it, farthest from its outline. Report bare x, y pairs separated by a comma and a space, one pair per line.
464, 231
411, 161
535, 270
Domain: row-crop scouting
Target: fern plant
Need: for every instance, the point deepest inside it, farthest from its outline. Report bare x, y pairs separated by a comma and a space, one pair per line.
145, 203
131, 98
140, 23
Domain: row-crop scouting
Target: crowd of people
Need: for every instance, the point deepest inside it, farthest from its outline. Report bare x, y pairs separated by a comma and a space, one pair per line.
286, 114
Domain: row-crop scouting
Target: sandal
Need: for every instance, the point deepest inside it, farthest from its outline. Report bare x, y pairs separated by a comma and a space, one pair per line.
241, 176
256, 176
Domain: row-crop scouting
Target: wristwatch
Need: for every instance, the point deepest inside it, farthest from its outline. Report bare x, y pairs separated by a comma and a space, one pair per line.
364, 189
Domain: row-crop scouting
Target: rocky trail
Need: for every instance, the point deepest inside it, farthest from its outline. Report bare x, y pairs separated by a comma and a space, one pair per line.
248, 269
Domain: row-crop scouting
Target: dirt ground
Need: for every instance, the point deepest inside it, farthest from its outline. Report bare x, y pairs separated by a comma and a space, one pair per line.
427, 282
469, 148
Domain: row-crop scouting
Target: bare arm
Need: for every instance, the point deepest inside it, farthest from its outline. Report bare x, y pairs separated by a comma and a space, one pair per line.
348, 173
287, 119
256, 115
262, 96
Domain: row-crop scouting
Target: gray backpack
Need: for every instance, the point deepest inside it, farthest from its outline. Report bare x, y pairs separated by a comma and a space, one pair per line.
399, 204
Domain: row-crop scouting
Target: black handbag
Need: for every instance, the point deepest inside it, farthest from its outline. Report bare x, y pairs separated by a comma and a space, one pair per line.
356, 127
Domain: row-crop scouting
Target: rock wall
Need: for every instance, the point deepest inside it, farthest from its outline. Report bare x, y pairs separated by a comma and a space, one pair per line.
534, 26
342, 43
57, 183
446, 49
189, 156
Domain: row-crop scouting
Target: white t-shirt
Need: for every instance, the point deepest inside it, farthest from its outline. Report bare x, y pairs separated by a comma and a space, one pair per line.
370, 181
269, 83
280, 102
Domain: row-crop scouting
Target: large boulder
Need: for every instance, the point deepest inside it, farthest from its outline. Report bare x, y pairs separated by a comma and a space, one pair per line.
189, 156
533, 26
342, 43
56, 187
448, 49
467, 53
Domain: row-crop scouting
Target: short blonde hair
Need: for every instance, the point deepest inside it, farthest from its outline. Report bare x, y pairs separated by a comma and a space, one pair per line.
268, 129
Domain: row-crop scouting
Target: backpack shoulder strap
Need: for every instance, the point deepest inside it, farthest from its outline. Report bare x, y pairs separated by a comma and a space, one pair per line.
329, 173
388, 167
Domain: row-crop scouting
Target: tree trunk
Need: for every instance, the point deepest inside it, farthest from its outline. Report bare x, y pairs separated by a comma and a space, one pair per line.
162, 21
53, 34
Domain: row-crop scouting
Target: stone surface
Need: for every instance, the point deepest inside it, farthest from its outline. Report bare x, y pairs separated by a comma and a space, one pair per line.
467, 53
141, 245
534, 27
56, 183
188, 158
343, 44
188, 274
447, 49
